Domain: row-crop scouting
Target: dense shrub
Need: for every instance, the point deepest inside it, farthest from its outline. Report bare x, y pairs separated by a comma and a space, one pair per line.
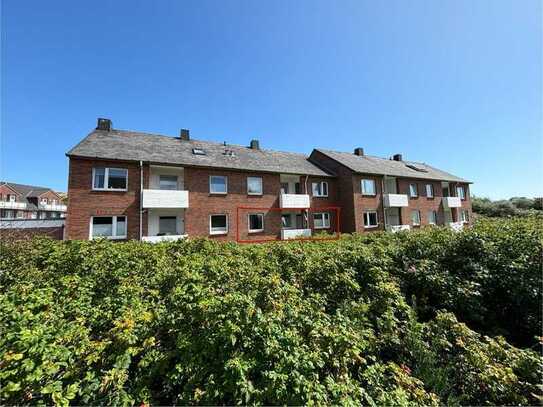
517, 206
200, 322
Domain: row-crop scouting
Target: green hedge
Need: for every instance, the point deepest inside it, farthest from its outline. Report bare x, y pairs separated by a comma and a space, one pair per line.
370, 319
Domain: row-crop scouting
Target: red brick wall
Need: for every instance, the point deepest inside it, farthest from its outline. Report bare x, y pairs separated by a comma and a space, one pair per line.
422, 203
56, 233
83, 202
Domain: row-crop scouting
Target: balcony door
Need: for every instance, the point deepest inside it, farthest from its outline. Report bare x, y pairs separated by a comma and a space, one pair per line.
390, 185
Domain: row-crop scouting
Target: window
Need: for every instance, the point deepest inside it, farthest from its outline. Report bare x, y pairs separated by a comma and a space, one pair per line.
461, 192
284, 187
43, 215
429, 190
254, 185
110, 179
432, 217
167, 225
368, 187
413, 191
256, 222
218, 184
198, 151
43, 201
286, 220
320, 188
112, 227
415, 218
218, 224
370, 219
34, 215
464, 216
12, 198
20, 214
167, 182
321, 220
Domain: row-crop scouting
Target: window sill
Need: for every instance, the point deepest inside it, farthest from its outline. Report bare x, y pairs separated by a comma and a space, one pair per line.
218, 193
371, 227
369, 195
252, 232
320, 196
249, 194
109, 190
321, 228
218, 233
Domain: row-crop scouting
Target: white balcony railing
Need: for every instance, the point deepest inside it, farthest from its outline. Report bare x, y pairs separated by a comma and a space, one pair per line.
165, 238
297, 201
456, 226
395, 200
161, 198
52, 207
12, 205
398, 228
452, 202
295, 233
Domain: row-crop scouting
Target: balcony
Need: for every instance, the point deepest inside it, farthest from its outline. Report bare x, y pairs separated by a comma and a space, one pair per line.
451, 202
294, 201
165, 238
295, 233
52, 207
456, 226
395, 200
162, 198
398, 228
12, 205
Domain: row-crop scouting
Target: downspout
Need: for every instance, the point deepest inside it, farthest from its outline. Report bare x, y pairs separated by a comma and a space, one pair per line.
141, 200
383, 202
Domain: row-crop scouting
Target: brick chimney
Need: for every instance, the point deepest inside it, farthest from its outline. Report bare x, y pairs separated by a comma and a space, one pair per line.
359, 151
397, 157
255, 145
184, 134
103, 124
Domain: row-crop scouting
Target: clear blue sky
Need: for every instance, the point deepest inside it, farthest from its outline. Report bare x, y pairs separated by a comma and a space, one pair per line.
457, 84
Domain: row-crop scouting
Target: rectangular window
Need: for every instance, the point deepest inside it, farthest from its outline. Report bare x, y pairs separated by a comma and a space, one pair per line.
254, 185
415, 218
413, 191
464, 216
368, 187
12, 198
167, 225
218, 184
461, 192
43, 201
20, 214
34, 215
256, 222
321, 220
320, 188
432, 217
218, 224
167, 182
286, 220
115, 179
111, 227
43, 215
429, 190
370, 219
284, 187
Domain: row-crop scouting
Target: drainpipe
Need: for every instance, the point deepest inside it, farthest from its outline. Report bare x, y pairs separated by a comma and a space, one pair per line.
383, 202
141, 200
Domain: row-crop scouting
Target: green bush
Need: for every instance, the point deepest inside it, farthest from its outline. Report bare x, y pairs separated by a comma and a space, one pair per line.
199, 322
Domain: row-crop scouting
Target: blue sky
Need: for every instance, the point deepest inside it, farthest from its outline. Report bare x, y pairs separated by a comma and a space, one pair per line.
456, 84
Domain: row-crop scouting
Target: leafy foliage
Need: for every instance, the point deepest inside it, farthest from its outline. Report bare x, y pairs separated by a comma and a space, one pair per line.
363, 320
517, 206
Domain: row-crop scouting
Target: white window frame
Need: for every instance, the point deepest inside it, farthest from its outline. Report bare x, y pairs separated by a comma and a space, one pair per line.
19, 214
218, 232
106, 179
319, 187
368, 226
411, 195
43, 201
292, 224
464, 216
325, 216
225, 184
412, 222
364, 192
249, 222
430, 188
462, 195
12, 198
431, 214
261, 186
113, 225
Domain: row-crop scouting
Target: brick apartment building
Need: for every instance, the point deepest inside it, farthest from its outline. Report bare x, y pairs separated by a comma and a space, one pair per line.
132, 185
18, 201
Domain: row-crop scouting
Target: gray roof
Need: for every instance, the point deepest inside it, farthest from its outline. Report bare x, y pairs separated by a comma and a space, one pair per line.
136, 146
383, 166
28, 191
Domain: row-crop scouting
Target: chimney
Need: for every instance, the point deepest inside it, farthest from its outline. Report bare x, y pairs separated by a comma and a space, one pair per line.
103, 124
397, 157
359, 151
255, 145
184, 134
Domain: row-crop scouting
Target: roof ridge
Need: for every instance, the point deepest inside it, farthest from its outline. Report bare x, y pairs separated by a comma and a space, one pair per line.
372, 156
